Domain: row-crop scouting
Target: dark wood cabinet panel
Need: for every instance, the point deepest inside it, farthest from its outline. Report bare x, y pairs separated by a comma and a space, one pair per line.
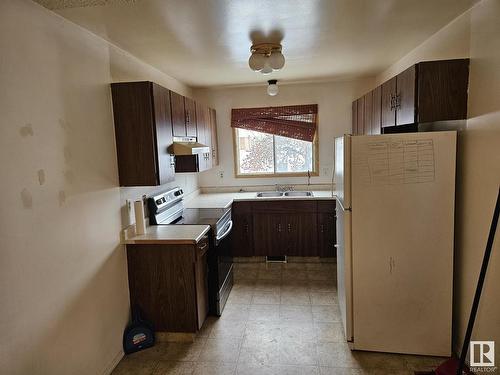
367, 115
178, 115
376, 110
361, 116
429, 91
355, 117
268, 234
300, 234
143, 133
162, 284
204, 135
442, 90
326, 229
388, 114
170, 284
201, 272
163, 121
405, 97
213, 134
190, 117
242, 233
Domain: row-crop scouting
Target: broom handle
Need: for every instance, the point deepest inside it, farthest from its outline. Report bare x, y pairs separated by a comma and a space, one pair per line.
479, 288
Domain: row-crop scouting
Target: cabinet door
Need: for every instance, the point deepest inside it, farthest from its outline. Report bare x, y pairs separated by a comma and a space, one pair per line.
201, 277
361, 116
163, 126
203, 135
326, 237
376, 109
367, 115
134, 133
301, 234
405, 98
242, 235
355, 117
388, 114
213, 134
178, 114
190, 117
268, 234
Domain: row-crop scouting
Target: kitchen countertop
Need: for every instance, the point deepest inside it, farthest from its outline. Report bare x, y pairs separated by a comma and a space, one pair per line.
224, 200
170, 235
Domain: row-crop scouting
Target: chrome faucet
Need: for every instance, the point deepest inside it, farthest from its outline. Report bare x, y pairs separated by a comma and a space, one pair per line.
283, 188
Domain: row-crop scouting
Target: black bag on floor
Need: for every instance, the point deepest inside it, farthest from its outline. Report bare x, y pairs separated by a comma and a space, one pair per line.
139, 334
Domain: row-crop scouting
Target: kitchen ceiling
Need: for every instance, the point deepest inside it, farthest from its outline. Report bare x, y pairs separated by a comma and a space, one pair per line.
207, 42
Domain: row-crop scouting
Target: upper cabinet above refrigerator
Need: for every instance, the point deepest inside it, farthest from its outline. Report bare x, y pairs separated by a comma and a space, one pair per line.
429, 91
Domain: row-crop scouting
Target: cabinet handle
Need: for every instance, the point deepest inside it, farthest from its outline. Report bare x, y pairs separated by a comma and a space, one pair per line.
203, 246
393, 105
398, 101
322, 226
279, 227
246, 228
289, 227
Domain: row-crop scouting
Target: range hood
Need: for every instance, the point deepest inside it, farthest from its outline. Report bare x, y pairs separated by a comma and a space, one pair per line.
188, 146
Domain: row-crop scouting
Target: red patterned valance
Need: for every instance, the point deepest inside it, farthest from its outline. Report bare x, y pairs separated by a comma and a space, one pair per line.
293, 121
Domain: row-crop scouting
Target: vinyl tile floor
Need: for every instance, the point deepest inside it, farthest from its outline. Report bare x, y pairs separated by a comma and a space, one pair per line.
280, 319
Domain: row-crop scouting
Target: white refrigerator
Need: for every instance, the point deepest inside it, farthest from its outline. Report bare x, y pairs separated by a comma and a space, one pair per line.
395, 227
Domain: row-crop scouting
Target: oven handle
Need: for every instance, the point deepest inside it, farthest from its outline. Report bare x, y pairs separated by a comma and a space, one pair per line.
224, 235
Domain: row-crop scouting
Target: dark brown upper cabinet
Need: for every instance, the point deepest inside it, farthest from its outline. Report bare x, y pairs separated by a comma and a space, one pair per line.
355, 117
388, 114
405, 97
143, 131
429, 91
190, 117
376, 110
178, 115
367, 113
361, 115
198, 162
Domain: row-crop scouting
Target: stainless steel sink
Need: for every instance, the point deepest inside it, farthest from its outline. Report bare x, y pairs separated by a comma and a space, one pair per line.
298, 194
269, 194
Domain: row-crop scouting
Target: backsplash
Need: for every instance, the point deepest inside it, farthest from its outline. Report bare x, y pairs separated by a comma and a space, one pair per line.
186, 181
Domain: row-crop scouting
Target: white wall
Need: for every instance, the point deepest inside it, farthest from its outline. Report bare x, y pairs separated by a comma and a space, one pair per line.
475, 34
334, 119
63, 277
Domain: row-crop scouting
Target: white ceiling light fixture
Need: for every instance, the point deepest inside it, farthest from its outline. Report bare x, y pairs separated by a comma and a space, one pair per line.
266, 57
272, 87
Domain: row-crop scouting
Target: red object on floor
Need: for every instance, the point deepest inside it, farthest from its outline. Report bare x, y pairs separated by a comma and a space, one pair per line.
450, 367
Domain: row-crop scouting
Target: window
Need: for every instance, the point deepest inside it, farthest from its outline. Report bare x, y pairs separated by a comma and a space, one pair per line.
275, 140
260, 154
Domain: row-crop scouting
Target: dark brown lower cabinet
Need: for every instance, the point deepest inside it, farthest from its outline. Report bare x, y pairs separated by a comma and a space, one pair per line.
326, 229
276, 228
169, 283
242, 233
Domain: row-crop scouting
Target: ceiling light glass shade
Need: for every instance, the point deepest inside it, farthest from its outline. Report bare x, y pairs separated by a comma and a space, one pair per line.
272, 88
267, 68
277, 60
256, 61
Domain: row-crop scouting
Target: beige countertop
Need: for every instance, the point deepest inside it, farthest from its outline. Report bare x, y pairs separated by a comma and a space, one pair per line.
169, 234
223, 200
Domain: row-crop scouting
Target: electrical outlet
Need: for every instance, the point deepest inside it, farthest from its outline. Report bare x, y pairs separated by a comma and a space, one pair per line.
221, 174
326, 171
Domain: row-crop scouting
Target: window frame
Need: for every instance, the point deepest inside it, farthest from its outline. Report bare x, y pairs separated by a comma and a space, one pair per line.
236, 156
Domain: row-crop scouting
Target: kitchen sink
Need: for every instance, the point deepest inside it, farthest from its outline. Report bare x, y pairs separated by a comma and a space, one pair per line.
298, 194
268, 194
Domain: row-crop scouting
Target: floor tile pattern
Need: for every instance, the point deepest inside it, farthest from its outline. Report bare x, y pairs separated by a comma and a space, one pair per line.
280, 319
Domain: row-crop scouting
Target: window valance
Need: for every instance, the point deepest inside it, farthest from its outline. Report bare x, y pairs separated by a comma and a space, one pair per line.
293, 121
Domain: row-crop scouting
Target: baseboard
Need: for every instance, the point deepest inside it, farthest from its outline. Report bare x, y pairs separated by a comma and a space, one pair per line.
114, 362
